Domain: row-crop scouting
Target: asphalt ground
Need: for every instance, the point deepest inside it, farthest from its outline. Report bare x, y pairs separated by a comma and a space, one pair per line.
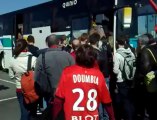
9, 108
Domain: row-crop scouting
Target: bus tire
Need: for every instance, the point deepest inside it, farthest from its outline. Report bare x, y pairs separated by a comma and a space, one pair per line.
6, 70
1, 61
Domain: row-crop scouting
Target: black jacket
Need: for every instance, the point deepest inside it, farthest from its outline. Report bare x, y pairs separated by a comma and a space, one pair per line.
34, 50
145, 63
103, 62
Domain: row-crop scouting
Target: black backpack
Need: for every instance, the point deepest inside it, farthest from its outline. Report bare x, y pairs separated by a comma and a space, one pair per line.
43, 84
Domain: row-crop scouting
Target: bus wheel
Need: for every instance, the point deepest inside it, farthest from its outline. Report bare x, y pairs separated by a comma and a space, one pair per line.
6, 70
2, 60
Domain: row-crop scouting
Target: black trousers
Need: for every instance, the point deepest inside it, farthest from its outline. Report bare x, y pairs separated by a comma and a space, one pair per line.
124, 102
140, 101
152, 105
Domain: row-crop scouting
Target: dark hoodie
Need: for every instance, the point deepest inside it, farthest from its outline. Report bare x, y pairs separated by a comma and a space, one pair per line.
34, 50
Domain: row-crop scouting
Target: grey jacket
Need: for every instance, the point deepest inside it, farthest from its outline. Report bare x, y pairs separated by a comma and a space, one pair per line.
118, 62
56, 60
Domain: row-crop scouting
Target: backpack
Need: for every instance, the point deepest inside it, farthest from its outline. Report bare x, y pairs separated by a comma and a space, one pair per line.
27, 84
103, 62
128, 69
150, 78
43, 84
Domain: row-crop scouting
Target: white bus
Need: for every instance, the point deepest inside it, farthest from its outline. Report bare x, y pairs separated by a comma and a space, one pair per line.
63, 17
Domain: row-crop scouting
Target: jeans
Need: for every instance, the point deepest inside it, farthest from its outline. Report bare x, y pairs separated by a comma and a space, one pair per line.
102, 112
24, 111
28, 112
107, 81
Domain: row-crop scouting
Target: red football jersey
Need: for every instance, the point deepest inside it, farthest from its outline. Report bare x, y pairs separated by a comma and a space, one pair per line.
82, 89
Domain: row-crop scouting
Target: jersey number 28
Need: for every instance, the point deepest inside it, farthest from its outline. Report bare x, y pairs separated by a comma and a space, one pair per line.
92, 94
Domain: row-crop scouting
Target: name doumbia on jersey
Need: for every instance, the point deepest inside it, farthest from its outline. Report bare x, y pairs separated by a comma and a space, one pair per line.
88, 117
84, 78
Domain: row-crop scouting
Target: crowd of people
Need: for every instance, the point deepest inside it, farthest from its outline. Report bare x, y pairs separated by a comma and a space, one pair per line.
88, 80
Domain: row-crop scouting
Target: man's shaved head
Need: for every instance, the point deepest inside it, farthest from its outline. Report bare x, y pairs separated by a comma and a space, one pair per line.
52, 40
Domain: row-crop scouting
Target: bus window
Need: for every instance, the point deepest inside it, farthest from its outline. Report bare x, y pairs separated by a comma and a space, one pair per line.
7, 25
1, 28
142, 25
79, 26
146, 24
151, 23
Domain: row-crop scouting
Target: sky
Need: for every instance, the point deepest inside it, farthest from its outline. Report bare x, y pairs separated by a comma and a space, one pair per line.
12, 5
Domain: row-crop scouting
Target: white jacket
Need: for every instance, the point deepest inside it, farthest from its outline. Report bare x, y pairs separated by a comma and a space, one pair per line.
18, 66
118, 62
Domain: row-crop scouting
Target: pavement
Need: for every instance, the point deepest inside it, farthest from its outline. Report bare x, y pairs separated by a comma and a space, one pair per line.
9, 108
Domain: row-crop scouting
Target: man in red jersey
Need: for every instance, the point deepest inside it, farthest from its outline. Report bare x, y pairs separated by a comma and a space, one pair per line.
81, 89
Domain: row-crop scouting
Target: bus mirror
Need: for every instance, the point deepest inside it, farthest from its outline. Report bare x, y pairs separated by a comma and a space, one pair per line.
127, 17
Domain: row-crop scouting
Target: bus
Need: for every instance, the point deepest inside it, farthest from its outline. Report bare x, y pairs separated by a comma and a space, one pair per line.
147, 18
62, 17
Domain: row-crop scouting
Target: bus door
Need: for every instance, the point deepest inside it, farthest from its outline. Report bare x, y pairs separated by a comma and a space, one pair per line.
105, 21
19, 26
79, 25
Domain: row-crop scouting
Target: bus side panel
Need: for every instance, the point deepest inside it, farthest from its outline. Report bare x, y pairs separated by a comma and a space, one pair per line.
40, 35
6, 47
